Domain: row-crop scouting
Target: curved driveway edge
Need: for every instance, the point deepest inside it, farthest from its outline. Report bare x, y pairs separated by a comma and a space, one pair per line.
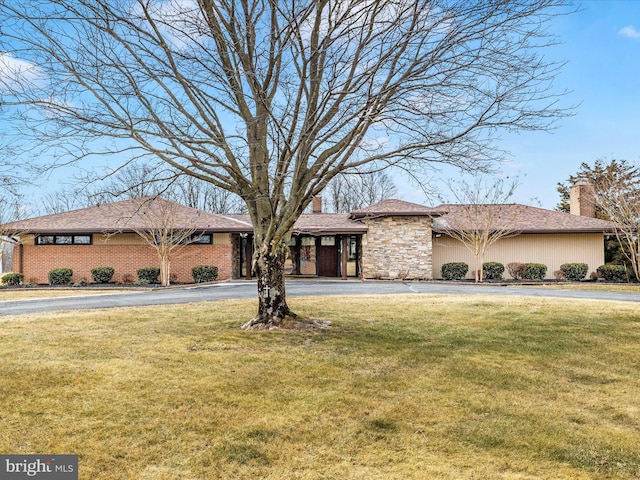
245, 289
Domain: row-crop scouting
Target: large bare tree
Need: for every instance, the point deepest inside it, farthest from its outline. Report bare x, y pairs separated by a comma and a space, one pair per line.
271, 99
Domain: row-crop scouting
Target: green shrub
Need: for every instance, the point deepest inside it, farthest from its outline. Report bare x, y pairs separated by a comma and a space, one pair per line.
454, 270
81, 283
613, 273
534, 271
204, 273
492, 270
516, 270
148, 275
102, 274
12, 279
574, 271
60, 276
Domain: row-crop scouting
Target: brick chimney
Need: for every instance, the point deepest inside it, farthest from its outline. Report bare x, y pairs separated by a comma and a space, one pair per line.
581, 198
316, 206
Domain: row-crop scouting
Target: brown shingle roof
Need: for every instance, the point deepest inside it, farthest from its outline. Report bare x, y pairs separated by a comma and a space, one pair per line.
394, 207
126, 216
322, 223
525, 219
129, 215
316, 223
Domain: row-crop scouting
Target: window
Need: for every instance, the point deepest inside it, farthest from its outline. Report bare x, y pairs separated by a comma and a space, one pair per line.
327, 241
63, 240
353, 248
82, 239
45, 240
202, 238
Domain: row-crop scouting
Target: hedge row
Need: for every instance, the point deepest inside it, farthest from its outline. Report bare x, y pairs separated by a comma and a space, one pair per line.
536, 271
62, 276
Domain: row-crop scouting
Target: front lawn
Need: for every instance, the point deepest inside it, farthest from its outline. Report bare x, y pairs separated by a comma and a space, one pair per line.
400, 387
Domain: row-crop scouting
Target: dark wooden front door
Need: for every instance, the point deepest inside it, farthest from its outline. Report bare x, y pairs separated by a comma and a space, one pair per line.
327, 260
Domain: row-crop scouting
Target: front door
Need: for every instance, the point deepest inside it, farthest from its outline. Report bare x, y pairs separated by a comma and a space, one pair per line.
327, 247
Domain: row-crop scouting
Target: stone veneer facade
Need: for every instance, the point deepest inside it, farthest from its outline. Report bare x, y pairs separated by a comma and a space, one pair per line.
397, 247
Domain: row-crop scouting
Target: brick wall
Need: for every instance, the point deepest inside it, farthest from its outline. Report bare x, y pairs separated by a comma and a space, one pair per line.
397, 247
38, 260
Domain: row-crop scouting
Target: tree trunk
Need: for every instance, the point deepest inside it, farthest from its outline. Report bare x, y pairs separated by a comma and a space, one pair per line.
165, 274
272, 302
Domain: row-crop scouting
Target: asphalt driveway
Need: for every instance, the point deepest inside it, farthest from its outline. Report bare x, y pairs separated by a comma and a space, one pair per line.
244, 289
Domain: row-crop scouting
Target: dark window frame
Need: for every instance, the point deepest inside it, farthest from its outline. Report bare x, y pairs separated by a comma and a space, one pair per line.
197, 237
73, 239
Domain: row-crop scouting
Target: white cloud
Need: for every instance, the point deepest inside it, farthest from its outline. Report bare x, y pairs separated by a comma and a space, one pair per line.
629, 31
16, 73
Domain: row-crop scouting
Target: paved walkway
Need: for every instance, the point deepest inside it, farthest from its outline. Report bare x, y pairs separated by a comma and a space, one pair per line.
245, 289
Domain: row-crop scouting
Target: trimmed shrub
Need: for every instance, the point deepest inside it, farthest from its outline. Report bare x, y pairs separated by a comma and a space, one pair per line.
102, 274
516, 270
148, 275
492, 270
204, 273
534, 271
12, 279
60, 276
454, 270
81, 283
574, 271
613, 273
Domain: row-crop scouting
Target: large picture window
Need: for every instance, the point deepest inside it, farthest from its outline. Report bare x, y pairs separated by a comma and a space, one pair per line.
63, 240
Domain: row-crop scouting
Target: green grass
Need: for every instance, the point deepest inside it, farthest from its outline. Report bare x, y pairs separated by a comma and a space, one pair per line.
399, 387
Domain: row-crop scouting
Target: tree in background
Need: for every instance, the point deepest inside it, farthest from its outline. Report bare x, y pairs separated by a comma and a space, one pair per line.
618, 198
271, 100
139, 180
11, 210
480, 217
346, 193
617, 171
603, 176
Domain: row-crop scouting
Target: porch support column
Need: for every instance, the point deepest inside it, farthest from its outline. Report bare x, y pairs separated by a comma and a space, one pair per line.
345, 256
248, 255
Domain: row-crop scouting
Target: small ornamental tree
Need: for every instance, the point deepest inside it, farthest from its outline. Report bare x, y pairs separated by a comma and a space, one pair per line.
168, 228
480, 217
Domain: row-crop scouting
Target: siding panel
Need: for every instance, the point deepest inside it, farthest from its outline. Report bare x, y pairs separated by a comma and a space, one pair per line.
550, 249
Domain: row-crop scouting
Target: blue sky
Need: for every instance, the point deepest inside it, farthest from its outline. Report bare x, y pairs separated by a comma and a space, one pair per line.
601, 44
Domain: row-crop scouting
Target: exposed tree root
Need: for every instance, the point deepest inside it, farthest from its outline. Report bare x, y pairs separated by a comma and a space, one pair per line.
290, 322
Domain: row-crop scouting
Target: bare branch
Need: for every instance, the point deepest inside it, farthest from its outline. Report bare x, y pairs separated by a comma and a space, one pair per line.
480, 217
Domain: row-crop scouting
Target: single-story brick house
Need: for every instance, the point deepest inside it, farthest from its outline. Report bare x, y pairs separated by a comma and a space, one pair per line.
390, 239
